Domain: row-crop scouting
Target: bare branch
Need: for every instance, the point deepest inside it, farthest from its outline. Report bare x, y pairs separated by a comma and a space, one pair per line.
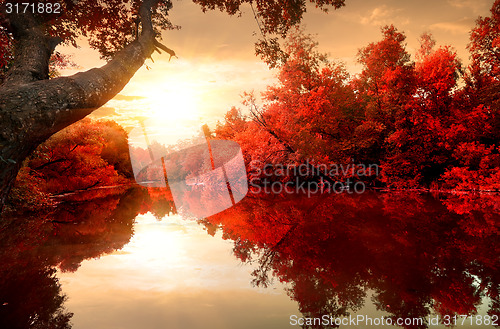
164, 48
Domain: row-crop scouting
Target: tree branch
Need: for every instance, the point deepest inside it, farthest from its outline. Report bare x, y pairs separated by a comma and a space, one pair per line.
168, 50
49, 163
54, 104
145, 17
32, 108
80, 189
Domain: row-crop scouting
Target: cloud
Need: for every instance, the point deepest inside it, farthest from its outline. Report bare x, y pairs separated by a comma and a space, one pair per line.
121, 97
383, 15
104, 112
476, 6
462, 26
462, 3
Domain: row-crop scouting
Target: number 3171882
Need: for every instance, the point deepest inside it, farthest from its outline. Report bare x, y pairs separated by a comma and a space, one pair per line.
34, 8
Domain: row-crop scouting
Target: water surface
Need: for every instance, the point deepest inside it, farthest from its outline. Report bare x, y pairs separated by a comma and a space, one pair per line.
127, 260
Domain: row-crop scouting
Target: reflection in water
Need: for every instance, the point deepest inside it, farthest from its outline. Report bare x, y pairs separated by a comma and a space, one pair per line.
413, 254
30, 294
416, 252
32, 248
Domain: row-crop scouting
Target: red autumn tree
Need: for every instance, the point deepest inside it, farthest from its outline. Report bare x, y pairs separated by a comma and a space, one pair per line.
308, 116
312, 108
418, 150
414, 118
78, 158
34, 107
85, 155
386, 82
475, 132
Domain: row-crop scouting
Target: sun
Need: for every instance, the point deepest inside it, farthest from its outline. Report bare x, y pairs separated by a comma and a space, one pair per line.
169, 115
176, 104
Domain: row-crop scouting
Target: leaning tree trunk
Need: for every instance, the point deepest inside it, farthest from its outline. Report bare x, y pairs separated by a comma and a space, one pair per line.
32, 107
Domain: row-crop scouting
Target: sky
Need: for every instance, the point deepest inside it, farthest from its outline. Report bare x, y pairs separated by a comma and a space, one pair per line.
216, 58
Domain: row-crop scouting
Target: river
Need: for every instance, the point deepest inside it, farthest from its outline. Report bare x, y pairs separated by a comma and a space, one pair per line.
128, 260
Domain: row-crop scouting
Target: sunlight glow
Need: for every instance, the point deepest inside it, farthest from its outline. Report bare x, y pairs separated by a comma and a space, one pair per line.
173, 104
168, 255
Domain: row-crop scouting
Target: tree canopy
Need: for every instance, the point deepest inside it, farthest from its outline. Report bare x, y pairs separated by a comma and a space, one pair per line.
414, 117
33, 107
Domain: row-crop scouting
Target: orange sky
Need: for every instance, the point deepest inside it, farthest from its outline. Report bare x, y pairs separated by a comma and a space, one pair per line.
216, 52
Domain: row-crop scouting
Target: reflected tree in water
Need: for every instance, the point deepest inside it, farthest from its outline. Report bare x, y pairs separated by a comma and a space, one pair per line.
31, 250
414, 253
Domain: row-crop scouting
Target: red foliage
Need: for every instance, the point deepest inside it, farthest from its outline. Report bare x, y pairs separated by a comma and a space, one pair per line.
86, 155
73, 159
485, 42
412, 118
479, 170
